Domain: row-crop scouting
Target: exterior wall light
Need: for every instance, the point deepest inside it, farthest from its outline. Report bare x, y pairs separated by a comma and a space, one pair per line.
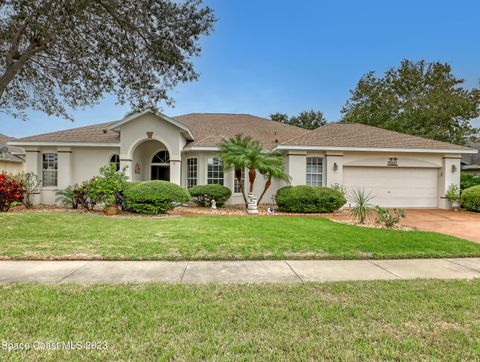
335, 166
454, 168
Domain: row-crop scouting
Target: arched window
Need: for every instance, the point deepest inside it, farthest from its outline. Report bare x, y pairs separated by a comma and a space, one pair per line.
115, 160
162, 157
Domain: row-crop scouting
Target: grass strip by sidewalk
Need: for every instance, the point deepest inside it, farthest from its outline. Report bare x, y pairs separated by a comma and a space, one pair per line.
383, 320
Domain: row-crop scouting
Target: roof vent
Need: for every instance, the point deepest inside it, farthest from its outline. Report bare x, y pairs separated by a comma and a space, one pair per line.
104, 131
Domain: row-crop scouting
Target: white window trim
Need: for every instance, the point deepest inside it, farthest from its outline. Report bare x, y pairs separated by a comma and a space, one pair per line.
196, 171
49, 187
323, 168
206, 171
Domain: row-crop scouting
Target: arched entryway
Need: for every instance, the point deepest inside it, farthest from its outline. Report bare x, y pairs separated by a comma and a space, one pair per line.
160, 166
151, 160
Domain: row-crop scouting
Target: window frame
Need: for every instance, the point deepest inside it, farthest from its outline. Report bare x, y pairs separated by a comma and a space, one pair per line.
53, 171
219, 171
117, 163
235, 182
192, 169
320, 173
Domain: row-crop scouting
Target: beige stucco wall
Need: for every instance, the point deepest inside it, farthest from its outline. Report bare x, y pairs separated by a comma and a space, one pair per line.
87, 161
11, 167
134, 133
75, 165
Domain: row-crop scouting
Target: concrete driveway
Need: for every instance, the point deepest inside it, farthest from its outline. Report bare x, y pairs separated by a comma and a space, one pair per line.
465, 225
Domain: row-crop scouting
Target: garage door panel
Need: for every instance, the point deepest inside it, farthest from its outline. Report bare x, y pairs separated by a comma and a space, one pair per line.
395, 187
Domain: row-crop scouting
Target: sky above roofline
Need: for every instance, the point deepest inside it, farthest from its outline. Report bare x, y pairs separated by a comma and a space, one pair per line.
281, 56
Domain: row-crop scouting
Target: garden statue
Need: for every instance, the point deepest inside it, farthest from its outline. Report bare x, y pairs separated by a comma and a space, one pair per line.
213, 205
252, 204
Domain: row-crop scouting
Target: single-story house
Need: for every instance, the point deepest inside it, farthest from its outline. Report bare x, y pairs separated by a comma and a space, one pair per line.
400, 170
11, 157
471, 162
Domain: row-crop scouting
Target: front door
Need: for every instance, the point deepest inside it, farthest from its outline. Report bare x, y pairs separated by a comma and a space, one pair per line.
160, 173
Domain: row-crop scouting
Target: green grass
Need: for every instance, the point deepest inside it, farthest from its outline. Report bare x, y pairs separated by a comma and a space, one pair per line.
55, 235
384, 320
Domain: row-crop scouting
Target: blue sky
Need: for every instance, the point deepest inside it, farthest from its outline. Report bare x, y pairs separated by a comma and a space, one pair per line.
270, 56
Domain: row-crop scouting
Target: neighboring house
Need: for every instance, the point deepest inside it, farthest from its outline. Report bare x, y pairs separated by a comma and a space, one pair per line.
400, 170
471, 162
11, 157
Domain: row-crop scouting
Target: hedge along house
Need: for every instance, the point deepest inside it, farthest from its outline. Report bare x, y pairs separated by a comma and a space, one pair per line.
399, 170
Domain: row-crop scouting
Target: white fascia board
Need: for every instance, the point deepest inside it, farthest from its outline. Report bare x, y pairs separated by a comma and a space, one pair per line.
160, 115
63, 144
372, 149
201, 148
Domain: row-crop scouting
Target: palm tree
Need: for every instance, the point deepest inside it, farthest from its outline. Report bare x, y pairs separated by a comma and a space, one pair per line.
242, 152
233, 155
272, 168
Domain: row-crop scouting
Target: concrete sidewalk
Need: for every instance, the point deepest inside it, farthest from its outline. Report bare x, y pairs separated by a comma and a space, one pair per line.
289, 271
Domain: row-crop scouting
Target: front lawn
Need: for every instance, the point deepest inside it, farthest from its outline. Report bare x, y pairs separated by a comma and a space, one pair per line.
64, 235
384, 320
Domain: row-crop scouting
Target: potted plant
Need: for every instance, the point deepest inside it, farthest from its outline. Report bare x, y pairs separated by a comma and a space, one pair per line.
453, 195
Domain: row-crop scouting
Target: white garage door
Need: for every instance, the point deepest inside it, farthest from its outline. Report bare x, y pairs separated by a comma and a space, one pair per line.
395, 187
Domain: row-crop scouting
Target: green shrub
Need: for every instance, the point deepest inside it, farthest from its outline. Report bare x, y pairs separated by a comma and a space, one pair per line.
468, 180
153, 197
388, 217
106, 187
471, 198
308, 199
362, 208
203, 194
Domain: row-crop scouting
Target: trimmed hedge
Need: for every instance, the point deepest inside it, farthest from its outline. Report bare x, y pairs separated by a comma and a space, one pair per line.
308, 199
468, 180
153, 197
203, 194
471, 198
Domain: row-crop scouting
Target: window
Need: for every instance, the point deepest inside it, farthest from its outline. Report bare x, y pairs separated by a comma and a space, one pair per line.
50, 169
236, 184
215, 171
314, 171
115, 160
191, 172
162, 157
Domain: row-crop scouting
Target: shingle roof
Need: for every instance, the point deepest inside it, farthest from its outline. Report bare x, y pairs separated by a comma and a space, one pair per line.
472, 159
361, 135
9, 156
209, 129
97, 133
13, 149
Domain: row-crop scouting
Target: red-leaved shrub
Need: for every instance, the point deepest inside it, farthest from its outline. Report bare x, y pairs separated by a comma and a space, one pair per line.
10, 191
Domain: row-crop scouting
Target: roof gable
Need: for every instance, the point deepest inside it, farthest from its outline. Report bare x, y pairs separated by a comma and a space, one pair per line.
117, 125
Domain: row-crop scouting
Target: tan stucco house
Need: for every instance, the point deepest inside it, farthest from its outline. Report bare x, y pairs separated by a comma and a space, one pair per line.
400, 170
11, 158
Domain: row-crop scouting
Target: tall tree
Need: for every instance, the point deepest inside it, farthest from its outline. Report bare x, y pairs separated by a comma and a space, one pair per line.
418, 98
307, 119
56, 54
